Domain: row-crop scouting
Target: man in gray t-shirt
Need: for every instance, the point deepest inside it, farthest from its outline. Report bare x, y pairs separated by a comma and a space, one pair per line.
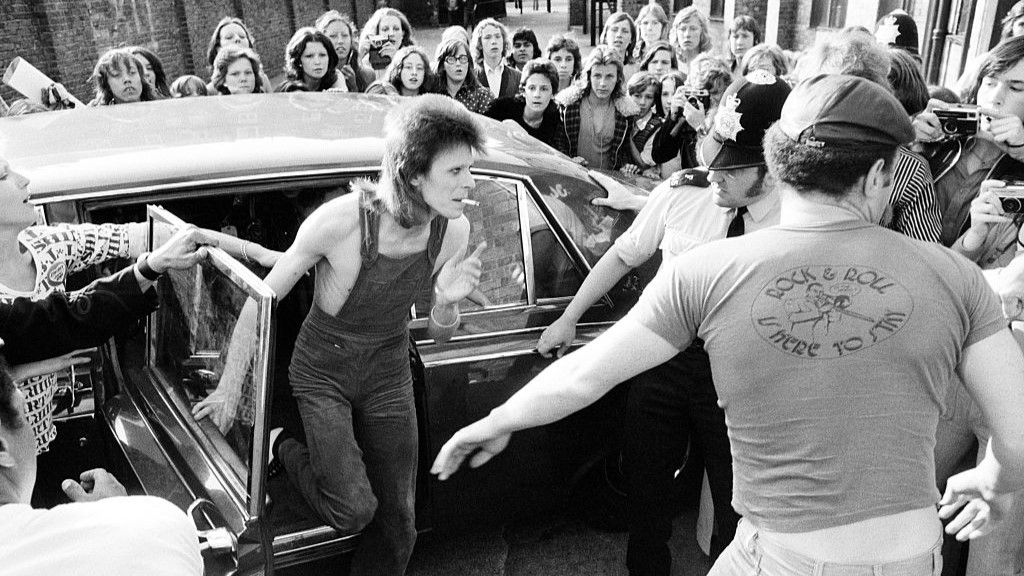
832, 342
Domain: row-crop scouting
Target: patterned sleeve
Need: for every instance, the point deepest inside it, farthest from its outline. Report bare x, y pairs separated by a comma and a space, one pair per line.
914, 212
94, 244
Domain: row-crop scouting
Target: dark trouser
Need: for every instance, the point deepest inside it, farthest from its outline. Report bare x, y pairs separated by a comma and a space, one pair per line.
664, 404
358, 470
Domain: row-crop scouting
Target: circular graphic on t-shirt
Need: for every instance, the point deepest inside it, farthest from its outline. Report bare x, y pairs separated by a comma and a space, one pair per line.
829, 311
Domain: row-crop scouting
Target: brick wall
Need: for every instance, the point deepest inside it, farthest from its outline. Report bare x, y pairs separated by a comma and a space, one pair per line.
64, 38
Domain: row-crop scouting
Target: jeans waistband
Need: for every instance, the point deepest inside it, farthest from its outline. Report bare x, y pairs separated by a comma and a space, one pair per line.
332, 327
926, 563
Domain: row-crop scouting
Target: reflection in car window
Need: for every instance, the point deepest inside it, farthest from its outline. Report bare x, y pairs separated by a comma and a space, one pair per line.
592, 228
189, 341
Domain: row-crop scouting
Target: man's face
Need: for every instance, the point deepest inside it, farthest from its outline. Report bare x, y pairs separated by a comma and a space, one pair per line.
660, 63
1004, 92
447, 182
18, 454
522, 51
492, 43
687, 35
618, 36
537, 91
15, 209
602, 80
737, 187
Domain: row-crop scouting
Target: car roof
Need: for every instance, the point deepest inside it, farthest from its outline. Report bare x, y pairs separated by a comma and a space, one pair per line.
198, 139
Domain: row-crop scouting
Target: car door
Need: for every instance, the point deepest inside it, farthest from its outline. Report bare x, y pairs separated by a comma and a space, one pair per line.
531, 270
186, 351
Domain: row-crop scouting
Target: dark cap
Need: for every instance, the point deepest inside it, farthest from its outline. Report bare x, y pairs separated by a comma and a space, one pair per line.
898, 29
835, 110
749, 106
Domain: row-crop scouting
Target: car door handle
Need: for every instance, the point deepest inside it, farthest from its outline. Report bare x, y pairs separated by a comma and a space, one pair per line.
215, 541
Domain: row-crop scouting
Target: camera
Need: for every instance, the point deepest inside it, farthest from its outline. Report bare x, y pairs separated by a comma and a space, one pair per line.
378, 61
1012, 197
697, 98
959, 120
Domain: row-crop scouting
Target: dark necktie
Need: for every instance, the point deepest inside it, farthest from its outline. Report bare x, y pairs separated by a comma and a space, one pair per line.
736, 224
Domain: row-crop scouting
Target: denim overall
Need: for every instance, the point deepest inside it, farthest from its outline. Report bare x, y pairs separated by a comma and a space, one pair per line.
350, 376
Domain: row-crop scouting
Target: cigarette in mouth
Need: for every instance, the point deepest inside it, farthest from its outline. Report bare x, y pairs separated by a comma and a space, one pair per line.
469, 201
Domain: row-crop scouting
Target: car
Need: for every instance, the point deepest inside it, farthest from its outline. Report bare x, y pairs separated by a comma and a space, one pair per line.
255, 166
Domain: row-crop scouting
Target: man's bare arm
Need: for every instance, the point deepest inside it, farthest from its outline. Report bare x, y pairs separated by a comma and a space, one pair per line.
568, 385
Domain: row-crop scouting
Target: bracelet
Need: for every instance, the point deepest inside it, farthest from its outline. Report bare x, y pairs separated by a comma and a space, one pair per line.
244, 255
438, 324
146, 270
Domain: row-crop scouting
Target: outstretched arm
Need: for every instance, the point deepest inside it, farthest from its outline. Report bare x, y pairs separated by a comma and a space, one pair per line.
566, 386
308, 249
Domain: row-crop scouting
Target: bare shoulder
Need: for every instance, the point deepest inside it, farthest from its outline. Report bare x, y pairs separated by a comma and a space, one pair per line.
331, 223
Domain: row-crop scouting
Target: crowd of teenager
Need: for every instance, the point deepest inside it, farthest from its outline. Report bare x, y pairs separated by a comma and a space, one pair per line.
655, 99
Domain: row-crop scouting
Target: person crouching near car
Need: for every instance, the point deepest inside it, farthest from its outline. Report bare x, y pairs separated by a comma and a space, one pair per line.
534, 108
596, 113
152, 536
118, 79
237, 70
375, 251
832, 341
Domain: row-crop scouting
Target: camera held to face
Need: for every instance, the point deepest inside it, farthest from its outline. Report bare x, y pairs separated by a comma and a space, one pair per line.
378, 61
959, 120
697, 98
1012, 197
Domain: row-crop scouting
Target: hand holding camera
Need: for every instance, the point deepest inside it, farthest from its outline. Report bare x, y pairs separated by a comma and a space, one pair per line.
1007, 130
690, 104
381, 51
995, 200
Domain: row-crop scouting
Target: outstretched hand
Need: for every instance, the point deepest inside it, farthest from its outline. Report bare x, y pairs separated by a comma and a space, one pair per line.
184, 250
459, 277
474, 440
50, 365
980, 509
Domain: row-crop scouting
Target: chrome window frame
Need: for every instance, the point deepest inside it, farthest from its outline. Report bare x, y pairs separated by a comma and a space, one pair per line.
265, 300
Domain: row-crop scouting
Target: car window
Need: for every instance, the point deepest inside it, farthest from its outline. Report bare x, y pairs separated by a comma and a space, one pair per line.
188, 339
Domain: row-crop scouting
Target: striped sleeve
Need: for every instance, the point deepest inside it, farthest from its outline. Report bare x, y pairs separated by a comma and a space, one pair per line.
914, 211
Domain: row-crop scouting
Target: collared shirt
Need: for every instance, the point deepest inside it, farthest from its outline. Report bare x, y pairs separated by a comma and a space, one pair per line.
494, 76
646, 155
680, 219
958, 186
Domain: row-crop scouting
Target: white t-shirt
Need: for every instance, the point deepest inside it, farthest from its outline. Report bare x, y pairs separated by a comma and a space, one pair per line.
130, 535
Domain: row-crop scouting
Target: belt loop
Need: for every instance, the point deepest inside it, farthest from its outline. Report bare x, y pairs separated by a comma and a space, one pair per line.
819, 567
878, 570
937, 559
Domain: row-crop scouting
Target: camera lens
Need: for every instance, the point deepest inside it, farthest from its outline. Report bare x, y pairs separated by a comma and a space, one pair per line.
1012, 205
950, 127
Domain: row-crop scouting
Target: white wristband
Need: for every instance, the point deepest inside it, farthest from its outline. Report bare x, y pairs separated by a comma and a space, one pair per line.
440, 325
